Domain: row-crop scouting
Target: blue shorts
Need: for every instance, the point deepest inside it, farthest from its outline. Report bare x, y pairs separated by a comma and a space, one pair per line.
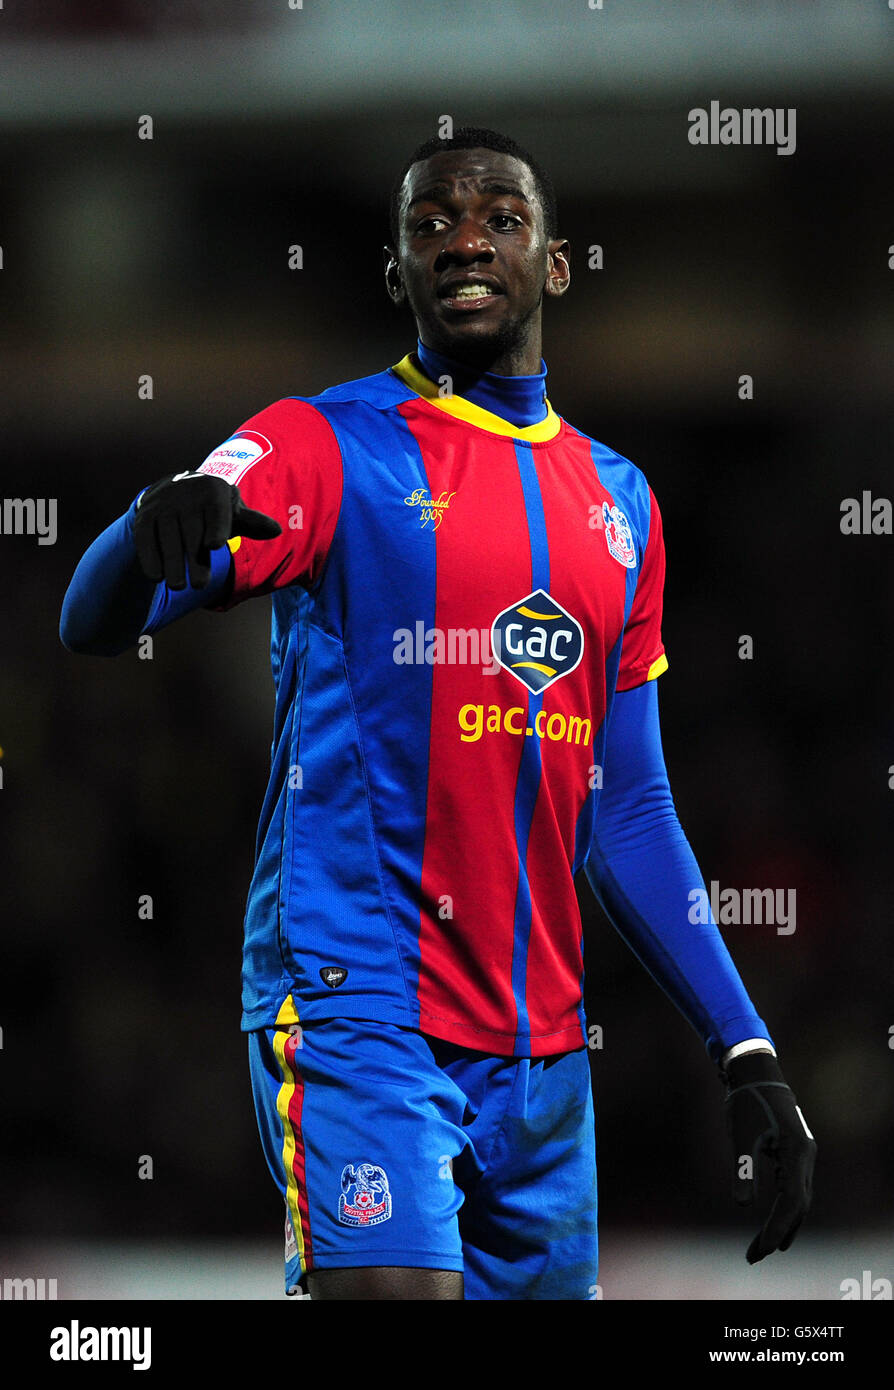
391, 1147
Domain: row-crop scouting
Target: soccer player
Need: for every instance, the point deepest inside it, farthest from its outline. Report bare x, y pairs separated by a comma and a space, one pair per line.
467, 598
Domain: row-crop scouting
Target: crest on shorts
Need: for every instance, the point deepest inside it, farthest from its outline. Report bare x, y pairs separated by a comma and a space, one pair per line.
365, 1196
618, 535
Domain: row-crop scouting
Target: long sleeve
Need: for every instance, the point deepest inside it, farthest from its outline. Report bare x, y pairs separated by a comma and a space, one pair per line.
644, 875
110, 602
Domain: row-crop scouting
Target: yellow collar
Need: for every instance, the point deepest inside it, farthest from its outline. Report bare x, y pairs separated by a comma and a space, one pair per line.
473, 414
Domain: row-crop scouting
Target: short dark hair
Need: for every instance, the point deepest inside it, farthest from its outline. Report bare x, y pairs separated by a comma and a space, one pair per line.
470, 137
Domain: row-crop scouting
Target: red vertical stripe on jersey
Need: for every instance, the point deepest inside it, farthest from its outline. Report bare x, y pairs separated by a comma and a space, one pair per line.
465, 944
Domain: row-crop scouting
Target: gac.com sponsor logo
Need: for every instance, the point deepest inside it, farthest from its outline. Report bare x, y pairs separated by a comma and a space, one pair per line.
556, 727
537, 641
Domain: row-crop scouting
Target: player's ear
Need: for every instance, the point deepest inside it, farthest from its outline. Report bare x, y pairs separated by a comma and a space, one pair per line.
393, 282
558, 274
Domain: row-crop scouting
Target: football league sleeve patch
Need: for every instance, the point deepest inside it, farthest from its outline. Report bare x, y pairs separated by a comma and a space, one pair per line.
286, 463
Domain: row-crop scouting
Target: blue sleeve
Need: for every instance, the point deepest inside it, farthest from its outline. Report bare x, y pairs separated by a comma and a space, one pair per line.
646, 878
110, 603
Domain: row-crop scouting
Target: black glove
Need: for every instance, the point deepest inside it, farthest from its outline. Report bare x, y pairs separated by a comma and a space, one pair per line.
764, 1122
187, 515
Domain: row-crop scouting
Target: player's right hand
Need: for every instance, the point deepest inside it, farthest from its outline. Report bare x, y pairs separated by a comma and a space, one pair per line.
183, 518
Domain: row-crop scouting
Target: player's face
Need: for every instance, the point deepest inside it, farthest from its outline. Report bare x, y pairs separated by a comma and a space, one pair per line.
473, 259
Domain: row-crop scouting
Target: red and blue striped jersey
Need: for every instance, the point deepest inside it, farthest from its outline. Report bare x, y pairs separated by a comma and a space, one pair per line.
455, 602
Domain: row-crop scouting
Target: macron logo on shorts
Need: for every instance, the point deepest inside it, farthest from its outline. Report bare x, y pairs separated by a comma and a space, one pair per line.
232, 459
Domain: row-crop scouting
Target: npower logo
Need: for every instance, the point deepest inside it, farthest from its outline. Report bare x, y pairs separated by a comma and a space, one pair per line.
537, 641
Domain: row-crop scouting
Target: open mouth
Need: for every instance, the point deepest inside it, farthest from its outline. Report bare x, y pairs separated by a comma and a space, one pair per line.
469, 294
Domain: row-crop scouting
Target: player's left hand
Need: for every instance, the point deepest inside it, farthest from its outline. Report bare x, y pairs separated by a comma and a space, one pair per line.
765, 1123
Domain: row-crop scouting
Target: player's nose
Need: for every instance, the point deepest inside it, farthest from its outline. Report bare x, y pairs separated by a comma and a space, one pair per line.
467, 241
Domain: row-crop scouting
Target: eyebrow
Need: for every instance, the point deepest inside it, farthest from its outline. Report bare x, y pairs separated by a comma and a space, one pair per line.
434, 192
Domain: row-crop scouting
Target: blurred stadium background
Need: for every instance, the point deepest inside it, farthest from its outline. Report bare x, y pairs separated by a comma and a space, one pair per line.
275, 126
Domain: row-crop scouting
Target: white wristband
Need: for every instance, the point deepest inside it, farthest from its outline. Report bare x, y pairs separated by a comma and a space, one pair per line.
749, 1045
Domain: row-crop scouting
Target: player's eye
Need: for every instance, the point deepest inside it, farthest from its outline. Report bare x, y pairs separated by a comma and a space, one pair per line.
427, 224
507, 219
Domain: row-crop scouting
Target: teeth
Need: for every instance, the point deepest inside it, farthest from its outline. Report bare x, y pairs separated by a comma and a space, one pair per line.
470, 292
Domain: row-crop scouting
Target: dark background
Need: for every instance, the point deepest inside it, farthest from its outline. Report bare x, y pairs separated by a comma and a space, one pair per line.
126, 777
